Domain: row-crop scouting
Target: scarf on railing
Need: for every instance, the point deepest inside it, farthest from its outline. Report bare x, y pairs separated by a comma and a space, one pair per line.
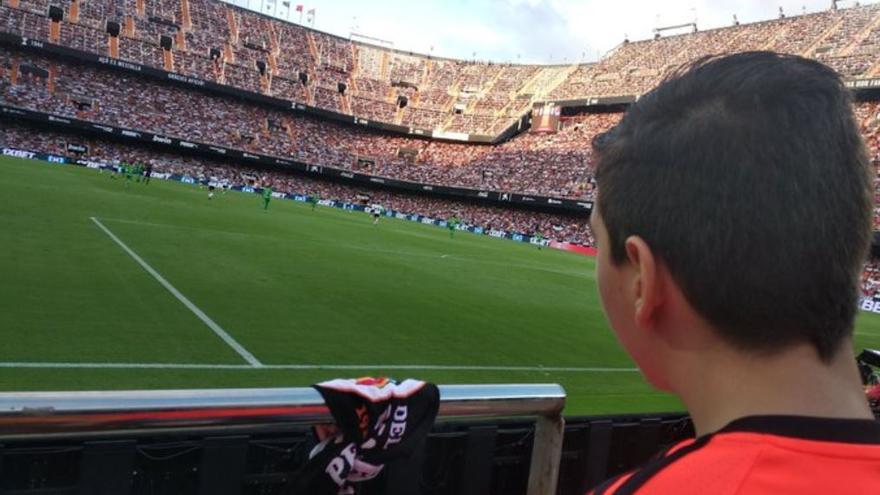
377, 421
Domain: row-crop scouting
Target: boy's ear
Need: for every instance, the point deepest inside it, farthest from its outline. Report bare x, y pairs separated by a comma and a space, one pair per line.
646, 289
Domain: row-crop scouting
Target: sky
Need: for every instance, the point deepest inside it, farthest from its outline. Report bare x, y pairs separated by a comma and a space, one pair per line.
522, 31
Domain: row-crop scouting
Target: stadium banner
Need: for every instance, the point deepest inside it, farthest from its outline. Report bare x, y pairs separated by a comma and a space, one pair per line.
77, 148
451, 136
579, 208
870, 305
574, 248
205, 85
545, 118
33, 155
16, 153
595, 101
863, 83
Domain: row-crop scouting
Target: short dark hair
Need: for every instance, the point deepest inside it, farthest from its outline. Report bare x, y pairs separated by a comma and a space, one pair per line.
748, 178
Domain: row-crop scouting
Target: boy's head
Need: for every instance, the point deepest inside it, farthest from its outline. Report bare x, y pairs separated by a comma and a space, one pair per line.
745, 180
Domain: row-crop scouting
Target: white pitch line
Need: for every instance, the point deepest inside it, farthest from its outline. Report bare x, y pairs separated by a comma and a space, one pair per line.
184, 366
231, 342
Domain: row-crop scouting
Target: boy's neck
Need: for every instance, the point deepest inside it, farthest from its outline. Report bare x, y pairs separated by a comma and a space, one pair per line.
723, 385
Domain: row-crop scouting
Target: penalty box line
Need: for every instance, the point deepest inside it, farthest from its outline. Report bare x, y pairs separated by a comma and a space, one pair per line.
231, 342
426, 367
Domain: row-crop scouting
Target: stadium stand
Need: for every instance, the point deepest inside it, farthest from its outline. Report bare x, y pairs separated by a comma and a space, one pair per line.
832, 36
448, 95
552, 165
488, 94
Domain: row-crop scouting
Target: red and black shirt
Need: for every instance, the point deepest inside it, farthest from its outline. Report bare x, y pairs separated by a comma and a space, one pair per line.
764, 455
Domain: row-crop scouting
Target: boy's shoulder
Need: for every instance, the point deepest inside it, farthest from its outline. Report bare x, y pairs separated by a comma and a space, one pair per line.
764, 454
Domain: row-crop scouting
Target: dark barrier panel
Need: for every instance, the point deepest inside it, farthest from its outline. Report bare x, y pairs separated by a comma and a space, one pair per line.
459, 458
200, 441
596, 101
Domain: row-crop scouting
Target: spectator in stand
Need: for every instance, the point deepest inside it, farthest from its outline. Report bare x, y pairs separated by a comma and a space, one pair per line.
871, 279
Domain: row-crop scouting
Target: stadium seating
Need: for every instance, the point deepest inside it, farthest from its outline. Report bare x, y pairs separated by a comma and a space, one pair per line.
489, 96
840, 38
554, 165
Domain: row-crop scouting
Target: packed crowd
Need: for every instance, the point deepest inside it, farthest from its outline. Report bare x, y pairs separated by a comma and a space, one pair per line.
492, 96
227, 174
871, 279
549, 165
846, 39
242, 39
555, 165
868, 114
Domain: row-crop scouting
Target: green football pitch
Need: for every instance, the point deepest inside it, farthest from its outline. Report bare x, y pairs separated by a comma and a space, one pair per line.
154, 286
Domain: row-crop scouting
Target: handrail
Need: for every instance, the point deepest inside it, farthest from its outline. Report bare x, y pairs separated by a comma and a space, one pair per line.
25, 415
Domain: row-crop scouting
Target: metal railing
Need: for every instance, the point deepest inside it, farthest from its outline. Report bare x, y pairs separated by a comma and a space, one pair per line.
25, 415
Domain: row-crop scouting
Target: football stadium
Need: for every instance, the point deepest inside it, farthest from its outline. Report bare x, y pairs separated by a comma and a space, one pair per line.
208, 210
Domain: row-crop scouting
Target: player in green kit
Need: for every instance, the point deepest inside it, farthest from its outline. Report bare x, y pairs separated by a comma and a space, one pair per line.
267, 196
138, 171
128, 170
539, 240
451, 224
313, 199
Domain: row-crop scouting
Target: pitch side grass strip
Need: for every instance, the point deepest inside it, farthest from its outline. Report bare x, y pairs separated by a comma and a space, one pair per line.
182, 366
244, 353
869, 334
